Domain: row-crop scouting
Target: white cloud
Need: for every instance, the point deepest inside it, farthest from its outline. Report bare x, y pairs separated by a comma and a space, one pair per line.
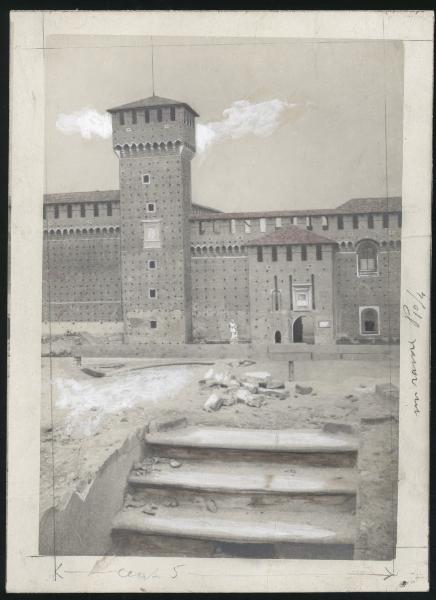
244, 118
87, 122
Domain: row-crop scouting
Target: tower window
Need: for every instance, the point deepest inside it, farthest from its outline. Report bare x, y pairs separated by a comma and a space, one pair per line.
172, 113
201, 227
69, 211
278, 222
151, 207
367, 258
152, 264
153, 324
232, 226
385, 220
319, 252
134, 117
370, 222
152, 292
274, 253
56, 211
259, 254
324, 223
309, 223
122, 121
340, 222
399, 220
44, 212
95, 209
109, 209
159, 115
262, 225
355, 222
147, 116
146, 179
303, 253
288, 253
83, 210
369, 320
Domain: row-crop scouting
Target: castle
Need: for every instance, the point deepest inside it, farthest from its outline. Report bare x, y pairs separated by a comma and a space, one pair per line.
146, 262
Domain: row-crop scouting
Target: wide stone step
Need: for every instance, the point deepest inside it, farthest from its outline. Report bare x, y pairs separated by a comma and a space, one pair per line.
262, 440
247, 478
252, 528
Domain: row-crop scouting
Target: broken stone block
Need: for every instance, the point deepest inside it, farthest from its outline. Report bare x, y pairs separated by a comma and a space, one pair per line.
276, 385
255, 401
259, 377
251, 387
301, 389
213, 403
275, 393
229, 401
242, 395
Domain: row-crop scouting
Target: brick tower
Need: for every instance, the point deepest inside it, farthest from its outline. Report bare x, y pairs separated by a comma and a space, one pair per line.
154, 139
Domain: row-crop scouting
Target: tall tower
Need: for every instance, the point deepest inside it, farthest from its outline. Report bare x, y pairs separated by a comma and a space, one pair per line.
154, 139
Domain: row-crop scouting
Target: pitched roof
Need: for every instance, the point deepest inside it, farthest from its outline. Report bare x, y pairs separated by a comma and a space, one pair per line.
287, 236
94, 196
366, 205
152, 102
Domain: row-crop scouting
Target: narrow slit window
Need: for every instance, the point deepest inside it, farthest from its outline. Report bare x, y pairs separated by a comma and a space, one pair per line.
147, 116
340, 222
274, 253
152, 292
109, 209
262, 225
56, 211
172, 113
152, 264
324, 223
319, 252
69, 211
355, 222
83, 210
153, 324
400, 220
370, 222
309, 223
159, 115
247, 226
44, 212
278, 222
288, 253
232, 226
122, 120
201, 228
151, 207
146, 179
134, 117
259, 254
385, 220
303, 253
95, 209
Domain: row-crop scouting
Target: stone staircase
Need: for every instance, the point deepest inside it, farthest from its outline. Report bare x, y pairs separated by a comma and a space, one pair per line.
230, 492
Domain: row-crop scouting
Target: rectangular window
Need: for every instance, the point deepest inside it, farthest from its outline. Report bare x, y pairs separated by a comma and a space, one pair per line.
146, 179
95, 209
309, 223
83, 210
152, 264
247, 226
262, 225
134, 117
319, 252
151, 207
159, 115
303, 253
232, 226
56, 211
121, 118
259, 254
147, 116
340, 222
288, 253
152, 292
173, 113
274, 253
216, 227
294, 220
369, 320
201, 227
153, 324
69, 211
355, 222
278, 222
109, 209
370, 222
324, 223
399, 220
151, 234
44, 212
385, 220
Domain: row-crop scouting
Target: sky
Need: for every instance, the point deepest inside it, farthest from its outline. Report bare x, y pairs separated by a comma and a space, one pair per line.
284, 124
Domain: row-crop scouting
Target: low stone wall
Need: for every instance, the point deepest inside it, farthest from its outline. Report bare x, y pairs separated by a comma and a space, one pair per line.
82, 526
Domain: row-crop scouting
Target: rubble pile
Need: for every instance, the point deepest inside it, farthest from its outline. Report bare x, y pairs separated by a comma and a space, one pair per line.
251, 388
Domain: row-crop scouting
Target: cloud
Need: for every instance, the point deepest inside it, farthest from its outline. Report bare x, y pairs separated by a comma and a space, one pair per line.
244, 118
87, 122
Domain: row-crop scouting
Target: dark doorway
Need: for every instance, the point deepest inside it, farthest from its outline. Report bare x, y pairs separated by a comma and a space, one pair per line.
298, 331
278, 337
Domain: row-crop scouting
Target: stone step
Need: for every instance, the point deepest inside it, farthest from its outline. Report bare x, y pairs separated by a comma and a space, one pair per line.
254, 527
264, 440
251, 478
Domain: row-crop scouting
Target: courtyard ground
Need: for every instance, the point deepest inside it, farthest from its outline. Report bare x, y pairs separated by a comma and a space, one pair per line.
84, 419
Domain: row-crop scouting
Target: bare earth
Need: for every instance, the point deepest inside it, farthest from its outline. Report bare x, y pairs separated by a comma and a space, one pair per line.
84, 419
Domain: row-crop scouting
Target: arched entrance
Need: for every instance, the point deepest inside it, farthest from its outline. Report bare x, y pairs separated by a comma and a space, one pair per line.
303, 330
278, 337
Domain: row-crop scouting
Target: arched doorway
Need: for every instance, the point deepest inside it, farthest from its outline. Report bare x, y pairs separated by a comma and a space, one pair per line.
278, 337
303, 330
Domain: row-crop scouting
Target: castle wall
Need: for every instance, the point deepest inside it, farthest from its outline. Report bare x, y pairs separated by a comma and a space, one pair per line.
314, 275
219, 295
81, 277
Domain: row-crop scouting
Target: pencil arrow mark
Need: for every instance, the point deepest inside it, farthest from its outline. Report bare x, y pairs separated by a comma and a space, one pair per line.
389, 574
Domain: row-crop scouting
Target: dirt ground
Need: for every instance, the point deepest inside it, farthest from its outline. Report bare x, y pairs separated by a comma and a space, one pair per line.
84, 419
